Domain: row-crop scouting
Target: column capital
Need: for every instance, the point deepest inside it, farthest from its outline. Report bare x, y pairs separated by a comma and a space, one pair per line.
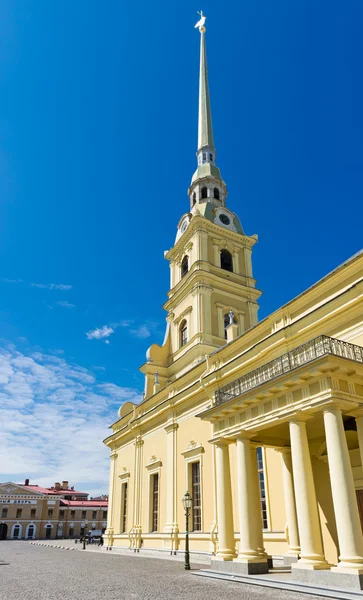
171, 427
113, 455
356, 413
337, 403
283, 450
300, 417
221, 441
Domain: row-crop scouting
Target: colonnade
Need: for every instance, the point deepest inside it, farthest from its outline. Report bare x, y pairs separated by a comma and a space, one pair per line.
304, 531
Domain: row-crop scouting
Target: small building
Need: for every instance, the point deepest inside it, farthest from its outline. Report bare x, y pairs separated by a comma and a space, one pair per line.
33, 512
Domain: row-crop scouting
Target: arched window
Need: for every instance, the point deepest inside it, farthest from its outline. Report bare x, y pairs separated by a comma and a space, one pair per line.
184, 266
16, 534
204, 156
226, 261
48, 531
194, 198
183, 333
30, 534
211, 157
216, 193
227, 322
204, 192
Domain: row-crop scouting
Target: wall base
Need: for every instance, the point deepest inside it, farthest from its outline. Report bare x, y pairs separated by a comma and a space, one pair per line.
328, 577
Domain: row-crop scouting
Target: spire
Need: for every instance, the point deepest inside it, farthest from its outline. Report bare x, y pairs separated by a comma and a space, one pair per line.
207, 183
205, 131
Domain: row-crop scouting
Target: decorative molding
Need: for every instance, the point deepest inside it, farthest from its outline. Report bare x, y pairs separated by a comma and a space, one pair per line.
154, 463
125, 474
194, 449
183, 314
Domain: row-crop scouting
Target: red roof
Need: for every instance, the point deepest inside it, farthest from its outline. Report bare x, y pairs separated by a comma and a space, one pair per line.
53, 491
85, 503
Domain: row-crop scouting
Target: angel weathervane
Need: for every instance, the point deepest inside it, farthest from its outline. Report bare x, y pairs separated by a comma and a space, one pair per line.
201, 21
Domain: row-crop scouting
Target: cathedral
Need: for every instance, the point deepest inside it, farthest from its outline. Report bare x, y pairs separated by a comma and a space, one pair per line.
260, 421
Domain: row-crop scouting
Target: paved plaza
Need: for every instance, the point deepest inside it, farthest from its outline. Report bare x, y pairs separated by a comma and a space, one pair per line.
50, 573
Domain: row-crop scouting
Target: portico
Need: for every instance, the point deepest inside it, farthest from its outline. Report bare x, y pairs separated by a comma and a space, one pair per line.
299, 403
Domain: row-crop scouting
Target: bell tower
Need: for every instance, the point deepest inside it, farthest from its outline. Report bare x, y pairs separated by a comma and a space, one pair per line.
211, 280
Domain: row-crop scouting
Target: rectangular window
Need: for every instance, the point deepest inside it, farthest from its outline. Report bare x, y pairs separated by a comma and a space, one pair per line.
105, 513
61, 514
94, 514
83, 514
18, 512
123, 508
155, 502
196, 506
71, 532
50, 513
73, 514
33, 512
183, 335
4, 513
261, 480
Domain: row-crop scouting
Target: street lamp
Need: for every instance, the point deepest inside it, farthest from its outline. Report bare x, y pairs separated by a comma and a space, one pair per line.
187, 503
84, 524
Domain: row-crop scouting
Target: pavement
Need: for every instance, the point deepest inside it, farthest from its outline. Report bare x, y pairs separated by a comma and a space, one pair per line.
37, 572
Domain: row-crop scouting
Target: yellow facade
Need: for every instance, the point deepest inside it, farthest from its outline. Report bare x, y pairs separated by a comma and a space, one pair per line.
290, 385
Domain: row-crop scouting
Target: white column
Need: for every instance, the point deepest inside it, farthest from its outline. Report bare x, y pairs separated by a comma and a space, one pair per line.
257, 503
312, 553
226, 544
290, 503
344, 500
359, 422
248, 549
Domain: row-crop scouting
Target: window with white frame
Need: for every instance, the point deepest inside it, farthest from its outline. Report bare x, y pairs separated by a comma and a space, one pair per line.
262, 485
155, 502
124, 490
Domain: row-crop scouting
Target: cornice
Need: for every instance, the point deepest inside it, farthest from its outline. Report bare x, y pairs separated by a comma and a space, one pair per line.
200, 223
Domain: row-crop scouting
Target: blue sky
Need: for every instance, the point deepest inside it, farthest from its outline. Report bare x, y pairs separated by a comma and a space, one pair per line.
98, 133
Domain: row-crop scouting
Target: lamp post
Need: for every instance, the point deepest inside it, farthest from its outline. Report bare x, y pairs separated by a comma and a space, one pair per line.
187, 503
85, 523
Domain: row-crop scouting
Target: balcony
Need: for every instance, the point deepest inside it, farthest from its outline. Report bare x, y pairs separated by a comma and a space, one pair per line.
320, 346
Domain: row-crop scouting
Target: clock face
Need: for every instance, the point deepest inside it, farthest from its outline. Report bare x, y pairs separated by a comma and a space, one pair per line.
224, 219
184, 226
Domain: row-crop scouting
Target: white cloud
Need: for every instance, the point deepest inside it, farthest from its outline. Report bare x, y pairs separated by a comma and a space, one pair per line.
100, 333
142, 332
65, 304
54, 416
52, 286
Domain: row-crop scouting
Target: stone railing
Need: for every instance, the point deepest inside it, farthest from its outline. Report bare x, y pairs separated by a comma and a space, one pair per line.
289, 361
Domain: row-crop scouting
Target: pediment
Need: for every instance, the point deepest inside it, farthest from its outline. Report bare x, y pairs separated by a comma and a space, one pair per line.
12, 489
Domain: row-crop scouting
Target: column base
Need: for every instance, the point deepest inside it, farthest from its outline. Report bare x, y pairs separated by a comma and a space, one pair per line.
224, 555
290, 558
241, 566
306, 566
352, 570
